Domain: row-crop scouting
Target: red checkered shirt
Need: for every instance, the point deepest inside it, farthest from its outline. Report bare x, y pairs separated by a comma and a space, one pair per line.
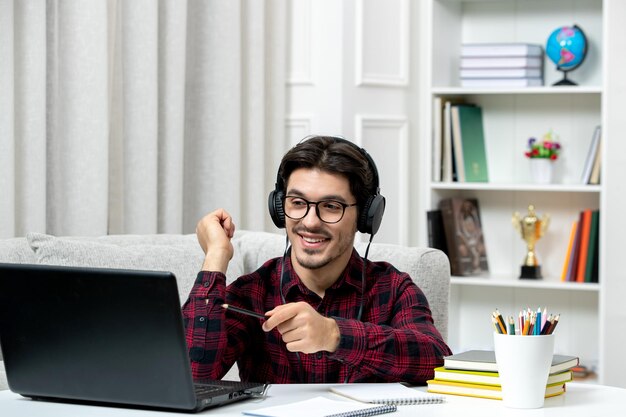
395, 340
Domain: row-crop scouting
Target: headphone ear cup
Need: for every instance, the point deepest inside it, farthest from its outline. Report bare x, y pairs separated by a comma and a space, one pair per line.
372, 215
362, 223
276, 209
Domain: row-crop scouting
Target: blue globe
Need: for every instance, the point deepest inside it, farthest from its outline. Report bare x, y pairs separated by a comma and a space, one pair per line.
567, 47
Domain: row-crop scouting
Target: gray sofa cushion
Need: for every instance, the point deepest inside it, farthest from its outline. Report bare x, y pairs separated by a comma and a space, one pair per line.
183, 258
16, 251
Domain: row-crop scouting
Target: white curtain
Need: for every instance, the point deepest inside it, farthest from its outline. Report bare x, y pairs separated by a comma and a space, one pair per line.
138, 116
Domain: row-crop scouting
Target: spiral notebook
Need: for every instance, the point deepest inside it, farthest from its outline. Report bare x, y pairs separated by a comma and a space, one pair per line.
386, 393
322, 407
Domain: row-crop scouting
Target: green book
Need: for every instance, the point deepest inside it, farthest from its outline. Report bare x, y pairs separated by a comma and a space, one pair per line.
473, 143
593, 243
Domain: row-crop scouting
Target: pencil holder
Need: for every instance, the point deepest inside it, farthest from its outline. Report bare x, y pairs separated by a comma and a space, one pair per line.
523, 366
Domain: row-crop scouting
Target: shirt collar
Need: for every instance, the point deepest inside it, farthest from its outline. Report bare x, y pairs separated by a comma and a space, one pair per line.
351, 275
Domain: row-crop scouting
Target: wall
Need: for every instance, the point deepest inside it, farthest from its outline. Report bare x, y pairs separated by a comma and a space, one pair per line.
352, 71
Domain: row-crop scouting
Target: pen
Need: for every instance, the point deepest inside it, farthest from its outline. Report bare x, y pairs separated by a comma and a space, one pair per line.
244, 311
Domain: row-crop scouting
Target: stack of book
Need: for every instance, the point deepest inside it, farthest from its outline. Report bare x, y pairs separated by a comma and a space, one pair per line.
475, 374
581, 259
459, 146
501, 65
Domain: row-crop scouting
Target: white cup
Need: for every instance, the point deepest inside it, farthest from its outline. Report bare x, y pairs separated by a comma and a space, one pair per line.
523, 365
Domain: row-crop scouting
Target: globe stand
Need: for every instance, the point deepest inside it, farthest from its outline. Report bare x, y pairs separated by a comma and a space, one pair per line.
565, 80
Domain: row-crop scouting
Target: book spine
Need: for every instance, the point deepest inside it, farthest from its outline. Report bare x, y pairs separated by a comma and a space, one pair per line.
571, 271
501, 73
595, 171
447, 216
436, 233
501, 62
457, 143
501, 50
473, 143
568, 255
584, 245
437, 139
593, 242
591, 156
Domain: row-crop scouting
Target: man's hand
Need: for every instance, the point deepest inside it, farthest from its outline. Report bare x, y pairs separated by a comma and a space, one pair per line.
303, 329
214, 232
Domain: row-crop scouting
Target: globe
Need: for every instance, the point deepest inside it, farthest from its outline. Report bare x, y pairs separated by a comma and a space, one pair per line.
567, 48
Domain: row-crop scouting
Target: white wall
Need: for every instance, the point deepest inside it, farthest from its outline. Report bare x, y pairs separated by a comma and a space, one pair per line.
352, 72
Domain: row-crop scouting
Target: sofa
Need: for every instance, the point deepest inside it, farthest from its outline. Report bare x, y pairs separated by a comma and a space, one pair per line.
182, 255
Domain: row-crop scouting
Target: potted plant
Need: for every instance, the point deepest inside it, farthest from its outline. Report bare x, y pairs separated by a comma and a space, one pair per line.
542, 154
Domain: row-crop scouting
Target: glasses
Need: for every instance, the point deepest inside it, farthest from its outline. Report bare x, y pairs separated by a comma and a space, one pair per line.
328, 211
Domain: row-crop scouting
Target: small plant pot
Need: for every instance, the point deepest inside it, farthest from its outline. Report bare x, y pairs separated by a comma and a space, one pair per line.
541, 170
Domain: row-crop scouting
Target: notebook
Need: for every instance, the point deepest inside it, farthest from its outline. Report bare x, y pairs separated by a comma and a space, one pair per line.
386, 393
101, 335
322, 407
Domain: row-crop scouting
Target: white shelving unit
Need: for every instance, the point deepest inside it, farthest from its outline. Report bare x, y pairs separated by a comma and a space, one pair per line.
510, 117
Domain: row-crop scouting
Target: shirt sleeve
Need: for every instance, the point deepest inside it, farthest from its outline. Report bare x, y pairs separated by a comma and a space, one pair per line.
406, 348
210, 351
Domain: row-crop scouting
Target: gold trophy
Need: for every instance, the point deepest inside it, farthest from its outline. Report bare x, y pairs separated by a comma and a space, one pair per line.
531, 228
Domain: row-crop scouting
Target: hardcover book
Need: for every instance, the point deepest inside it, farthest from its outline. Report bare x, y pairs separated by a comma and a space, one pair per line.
469, 143
592, 247
501, 49
501, 73
464, 237
481, 391
502, 62
591, 155
489, 378
485, 360
436, 233
501, 82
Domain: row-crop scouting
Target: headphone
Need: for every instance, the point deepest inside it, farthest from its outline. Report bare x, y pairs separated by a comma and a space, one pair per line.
371, 213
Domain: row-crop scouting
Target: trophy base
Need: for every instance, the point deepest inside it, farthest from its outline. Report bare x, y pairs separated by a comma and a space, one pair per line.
531, 272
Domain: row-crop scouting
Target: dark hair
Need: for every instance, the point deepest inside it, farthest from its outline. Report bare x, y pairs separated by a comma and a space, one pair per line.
333, 155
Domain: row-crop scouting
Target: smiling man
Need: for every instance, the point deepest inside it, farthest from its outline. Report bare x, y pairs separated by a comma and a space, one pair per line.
330, 315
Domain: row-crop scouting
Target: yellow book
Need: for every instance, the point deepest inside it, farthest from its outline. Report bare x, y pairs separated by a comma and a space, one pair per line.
492, 392
489, 378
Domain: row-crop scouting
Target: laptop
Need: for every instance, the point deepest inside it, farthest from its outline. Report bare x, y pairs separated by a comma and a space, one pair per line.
104, 336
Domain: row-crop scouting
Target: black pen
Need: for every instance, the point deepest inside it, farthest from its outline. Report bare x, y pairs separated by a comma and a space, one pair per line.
244, 311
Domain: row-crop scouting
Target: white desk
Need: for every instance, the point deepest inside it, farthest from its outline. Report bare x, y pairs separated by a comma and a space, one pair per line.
582, 400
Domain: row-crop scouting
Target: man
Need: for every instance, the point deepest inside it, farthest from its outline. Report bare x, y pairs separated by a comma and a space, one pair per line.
331, 316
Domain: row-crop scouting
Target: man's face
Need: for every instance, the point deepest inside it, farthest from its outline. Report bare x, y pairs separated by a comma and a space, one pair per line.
316, 244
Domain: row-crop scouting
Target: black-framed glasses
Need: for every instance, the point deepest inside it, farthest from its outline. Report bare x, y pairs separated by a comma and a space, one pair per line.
328, 211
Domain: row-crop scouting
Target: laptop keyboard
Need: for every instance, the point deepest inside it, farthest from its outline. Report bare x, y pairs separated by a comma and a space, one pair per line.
206, 391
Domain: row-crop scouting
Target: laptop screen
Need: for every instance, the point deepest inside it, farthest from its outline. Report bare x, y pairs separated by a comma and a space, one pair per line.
94, 334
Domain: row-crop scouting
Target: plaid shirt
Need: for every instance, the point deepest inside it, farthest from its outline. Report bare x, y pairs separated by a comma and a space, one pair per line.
394, 341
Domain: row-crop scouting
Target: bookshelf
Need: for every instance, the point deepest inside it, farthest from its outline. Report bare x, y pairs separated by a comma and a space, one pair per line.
510, 117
